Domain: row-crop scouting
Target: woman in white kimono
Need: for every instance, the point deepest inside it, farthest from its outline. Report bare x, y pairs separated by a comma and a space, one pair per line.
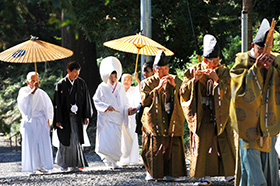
134, 99
36, 109
113, 110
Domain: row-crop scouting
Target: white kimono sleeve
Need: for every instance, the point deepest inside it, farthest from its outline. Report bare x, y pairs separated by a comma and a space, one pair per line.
100, 105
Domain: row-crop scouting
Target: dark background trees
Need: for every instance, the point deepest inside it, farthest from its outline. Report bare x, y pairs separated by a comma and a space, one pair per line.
84, 25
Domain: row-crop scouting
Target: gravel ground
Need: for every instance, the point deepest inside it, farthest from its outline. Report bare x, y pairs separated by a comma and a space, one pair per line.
95, 174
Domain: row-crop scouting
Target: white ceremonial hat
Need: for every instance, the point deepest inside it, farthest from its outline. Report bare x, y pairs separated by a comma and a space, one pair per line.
107, 66
210, 47
262, 33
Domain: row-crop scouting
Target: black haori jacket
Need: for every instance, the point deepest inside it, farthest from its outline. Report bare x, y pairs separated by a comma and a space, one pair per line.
62, 106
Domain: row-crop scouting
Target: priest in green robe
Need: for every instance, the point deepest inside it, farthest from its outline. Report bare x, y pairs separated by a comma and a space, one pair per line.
255, 111
205, 98
163, 124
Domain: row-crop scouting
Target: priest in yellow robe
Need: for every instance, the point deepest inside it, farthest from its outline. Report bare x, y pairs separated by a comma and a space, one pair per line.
255, 110
205, 98
163, 124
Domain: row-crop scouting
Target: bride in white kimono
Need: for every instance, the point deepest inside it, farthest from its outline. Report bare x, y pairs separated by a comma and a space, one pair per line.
113, 109
36, 109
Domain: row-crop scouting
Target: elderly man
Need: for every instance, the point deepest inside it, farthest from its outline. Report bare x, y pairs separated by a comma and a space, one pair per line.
37, 110
163, 124
255, 109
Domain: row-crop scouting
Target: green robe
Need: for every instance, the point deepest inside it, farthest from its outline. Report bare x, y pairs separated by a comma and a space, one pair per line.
212, 146
163, 148
255, 104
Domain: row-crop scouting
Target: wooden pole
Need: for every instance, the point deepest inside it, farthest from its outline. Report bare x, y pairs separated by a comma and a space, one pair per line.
35, 68
36, 74
137, 59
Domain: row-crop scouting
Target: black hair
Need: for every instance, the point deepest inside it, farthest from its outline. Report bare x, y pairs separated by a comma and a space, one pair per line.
73, 65
114, 72
146, 65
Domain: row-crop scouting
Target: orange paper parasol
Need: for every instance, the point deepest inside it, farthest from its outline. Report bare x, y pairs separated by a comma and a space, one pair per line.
33, 51
138, 44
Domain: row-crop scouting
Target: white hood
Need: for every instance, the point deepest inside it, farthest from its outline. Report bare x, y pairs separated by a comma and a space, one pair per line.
108, 65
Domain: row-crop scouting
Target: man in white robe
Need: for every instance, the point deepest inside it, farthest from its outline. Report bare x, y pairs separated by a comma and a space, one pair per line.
37, 110
134, 99
113, 109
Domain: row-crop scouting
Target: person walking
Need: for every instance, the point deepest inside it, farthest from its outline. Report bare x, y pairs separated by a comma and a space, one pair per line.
37, 112
72, 110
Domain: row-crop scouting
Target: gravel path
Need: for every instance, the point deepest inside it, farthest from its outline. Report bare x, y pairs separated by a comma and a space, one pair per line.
95, 174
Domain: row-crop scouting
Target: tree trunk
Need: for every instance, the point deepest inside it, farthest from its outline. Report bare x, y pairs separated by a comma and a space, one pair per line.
248, 5
66, 41
84, 54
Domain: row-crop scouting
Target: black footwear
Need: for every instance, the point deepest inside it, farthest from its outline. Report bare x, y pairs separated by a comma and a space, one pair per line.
204, 182
230, 181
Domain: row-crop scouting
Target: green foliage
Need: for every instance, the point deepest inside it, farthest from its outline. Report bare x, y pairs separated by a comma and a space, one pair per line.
234, 48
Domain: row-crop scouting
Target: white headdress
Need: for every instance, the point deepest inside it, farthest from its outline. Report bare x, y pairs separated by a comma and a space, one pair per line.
108, 65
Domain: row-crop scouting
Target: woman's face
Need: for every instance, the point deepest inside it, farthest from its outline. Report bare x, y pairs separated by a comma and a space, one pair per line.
112, 79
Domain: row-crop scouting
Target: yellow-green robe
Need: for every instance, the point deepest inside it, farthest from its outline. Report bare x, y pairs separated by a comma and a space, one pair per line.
212, 147
163, 148
255, 104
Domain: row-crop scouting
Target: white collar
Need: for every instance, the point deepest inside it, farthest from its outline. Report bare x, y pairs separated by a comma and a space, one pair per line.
72, 82
252, 53
112, 86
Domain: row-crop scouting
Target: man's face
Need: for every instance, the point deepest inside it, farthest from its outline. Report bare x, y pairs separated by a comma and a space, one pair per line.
31, 82
72, 75
212, 62
127, 81
162, 71
112, 79
258, 50
147, 72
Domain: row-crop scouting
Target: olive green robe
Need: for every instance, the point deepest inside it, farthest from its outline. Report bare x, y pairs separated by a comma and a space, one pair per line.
163, 148
255, 104
249, 109
212, 146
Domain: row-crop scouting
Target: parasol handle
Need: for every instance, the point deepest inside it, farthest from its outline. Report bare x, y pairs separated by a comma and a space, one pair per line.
35, 68
199, 58
137, 59
36, 74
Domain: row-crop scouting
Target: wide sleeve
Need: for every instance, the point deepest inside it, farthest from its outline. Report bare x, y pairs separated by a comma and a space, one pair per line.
189, 98
49, 111
58, 104
88, 111
125, 104
242, 74
24, 101
148, 93
98, 100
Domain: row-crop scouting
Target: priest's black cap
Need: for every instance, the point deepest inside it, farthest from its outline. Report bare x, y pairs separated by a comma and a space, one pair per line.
160, 59
262, 33
211, 48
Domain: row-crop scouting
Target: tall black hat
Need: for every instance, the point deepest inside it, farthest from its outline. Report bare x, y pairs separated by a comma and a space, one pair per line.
160, 59
211, 48
262, 33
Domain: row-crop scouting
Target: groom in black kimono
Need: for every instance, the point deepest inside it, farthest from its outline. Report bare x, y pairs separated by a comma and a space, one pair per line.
72, 109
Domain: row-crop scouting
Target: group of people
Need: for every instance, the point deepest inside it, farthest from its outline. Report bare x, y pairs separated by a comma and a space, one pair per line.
231, 115
71, 111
